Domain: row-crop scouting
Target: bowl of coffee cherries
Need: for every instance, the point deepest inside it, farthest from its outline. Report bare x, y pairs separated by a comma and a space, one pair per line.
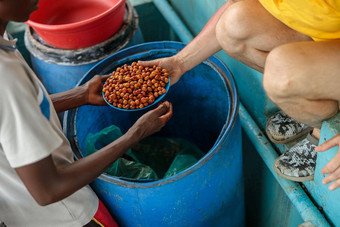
135, 87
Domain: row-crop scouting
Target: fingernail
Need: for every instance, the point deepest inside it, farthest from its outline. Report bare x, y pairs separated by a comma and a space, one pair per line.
323, 182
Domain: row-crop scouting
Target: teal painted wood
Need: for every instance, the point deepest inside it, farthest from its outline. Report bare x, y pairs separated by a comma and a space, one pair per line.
172, 18
263, 193
327, 200
259, 106
195, 13
299, 198
210, 193
148, 15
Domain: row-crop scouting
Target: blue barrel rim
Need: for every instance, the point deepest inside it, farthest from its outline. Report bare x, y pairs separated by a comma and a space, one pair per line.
69, 116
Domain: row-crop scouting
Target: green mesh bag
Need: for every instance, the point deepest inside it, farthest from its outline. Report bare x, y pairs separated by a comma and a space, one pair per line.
153, 158
123, 167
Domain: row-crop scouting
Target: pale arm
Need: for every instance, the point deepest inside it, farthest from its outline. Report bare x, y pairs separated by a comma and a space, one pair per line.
203, 46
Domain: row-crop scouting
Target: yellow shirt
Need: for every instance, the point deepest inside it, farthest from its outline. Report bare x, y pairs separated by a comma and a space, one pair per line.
319, 19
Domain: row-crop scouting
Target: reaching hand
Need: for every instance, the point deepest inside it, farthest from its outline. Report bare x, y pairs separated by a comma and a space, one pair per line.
94, 90
333, 166
152, 121
171, 64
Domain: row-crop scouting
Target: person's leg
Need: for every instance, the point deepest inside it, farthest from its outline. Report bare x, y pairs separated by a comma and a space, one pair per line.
247, 32
303, 80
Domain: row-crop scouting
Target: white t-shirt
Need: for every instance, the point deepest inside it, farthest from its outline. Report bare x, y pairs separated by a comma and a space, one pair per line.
30, 131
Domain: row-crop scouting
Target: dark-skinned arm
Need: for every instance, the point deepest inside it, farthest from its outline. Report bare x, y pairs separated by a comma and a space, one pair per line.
49, 183
89, 93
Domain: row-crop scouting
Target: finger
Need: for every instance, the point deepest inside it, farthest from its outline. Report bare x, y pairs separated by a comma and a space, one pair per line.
148, 63
160, 103
166, 117
332, 177
334, 185
104, 77
332, 165
166, 103
161, 109
328, 144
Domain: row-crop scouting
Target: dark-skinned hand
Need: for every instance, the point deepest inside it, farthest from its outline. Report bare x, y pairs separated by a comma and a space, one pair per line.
152, 121
94, 90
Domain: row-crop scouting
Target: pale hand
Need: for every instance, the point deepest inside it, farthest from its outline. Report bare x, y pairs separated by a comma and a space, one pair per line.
333, 166
171, 64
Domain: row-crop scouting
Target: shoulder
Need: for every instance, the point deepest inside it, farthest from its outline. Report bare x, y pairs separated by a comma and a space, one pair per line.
13, 75
9, 66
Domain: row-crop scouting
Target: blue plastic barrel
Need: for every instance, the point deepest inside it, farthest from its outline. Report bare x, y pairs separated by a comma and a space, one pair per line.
60, 70
205, 104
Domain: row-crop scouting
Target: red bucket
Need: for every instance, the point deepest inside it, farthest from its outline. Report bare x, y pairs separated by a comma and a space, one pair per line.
75, 24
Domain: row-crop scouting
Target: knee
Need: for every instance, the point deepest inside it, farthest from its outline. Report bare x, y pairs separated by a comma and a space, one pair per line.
279, 76
232, 28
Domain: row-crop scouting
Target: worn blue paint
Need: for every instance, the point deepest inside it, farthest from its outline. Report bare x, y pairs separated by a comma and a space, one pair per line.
57, 77
210, 193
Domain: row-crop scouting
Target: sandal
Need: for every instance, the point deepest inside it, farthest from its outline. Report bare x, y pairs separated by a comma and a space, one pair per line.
280, 128
298, 163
